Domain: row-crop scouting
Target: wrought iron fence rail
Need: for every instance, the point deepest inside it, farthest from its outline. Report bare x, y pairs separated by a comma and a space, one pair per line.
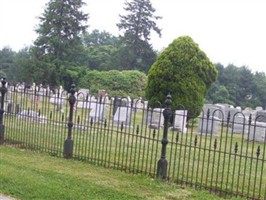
139, 140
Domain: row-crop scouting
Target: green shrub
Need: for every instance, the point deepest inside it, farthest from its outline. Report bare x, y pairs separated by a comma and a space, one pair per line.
115, 83
184, 71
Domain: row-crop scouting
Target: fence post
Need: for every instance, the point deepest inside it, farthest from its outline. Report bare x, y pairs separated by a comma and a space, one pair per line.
163, 163
68, 145
3, 91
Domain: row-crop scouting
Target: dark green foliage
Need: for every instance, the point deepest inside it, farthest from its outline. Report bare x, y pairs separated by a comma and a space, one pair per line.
115, 83
58, 47
7, 63
137, 24
184, 71
140, 57
244, 88
100, 48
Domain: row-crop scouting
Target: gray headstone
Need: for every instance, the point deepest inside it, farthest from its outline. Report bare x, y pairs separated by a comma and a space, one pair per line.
261, 116
213, 110
155, 118
208, 126
240, 124
257, 132
180, 121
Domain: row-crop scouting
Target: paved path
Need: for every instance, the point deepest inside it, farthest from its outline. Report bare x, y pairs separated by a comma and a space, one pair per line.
2, 197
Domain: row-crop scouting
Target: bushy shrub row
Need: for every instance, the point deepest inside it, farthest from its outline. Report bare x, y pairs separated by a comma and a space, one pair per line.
115, 83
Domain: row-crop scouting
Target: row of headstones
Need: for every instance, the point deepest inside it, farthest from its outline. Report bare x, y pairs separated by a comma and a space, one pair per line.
221, 111
154, 119
238, 122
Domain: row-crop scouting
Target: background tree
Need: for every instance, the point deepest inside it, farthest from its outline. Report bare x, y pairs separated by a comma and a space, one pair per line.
58, 48
101, 48
259, 97
243, 87
183, 70
138, 24
7, 65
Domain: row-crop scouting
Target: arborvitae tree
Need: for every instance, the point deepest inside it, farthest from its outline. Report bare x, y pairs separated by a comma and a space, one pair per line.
184, 71
59, 49
138, 24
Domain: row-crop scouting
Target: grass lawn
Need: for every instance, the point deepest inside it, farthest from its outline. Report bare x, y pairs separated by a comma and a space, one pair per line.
31, 175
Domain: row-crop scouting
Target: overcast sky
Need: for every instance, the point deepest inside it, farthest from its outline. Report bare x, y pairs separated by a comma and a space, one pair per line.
228, 31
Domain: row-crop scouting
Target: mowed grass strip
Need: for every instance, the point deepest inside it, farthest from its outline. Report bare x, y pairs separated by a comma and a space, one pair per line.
31, 175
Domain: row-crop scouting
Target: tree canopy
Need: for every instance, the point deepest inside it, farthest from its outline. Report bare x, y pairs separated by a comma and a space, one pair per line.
184, 71
58, 47
137, 25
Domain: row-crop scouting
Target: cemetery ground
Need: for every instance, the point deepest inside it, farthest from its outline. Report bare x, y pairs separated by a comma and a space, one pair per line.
225, 163
33, 175
139, 152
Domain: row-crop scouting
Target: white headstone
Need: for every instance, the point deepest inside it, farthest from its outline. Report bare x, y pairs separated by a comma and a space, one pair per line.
122, 116
97, 113
32, 116
180, 121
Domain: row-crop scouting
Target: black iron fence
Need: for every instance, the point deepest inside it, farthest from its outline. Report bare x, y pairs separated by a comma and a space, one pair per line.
221, 150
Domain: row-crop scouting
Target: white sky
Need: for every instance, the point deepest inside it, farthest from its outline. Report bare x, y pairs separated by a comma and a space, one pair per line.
228, 31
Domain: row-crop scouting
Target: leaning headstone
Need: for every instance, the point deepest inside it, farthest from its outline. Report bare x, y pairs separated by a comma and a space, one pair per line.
180, 121
257, 132
122, 116
208, 126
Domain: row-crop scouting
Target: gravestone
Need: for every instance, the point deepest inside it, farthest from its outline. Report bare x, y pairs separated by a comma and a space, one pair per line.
261, 116
240, 124
257, 132
58, 101
86, 104
32, 116
155, 118
180, 121
82, 93
122, 116
17, 108
259, 108
208, 126
97, 113
232, 112
118, 102
10, 108
214, 110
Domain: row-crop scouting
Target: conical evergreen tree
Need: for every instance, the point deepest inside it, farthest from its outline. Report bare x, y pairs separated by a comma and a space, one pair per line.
58, 51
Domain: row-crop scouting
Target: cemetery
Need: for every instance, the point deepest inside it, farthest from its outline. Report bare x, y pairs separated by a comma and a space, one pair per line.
127, 134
